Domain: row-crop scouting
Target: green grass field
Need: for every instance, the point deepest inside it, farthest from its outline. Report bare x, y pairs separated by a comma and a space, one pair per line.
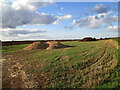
13, 48
85, 65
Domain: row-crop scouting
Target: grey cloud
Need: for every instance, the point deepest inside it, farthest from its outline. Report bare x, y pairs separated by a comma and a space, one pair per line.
96, 17
43, 19
18, 14
100, 8
12, 17
22, 34
101, 16
113, 28
16, 32
87, 23
71, 27
21, 4
96, 21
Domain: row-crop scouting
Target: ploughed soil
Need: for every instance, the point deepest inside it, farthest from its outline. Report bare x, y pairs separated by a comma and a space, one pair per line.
14, 71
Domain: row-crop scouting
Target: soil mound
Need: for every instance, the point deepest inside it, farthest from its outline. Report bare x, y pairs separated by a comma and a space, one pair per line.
37, 45
45, 45
55, 45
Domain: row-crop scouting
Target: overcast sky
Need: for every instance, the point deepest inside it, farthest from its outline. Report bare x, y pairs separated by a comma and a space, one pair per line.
23, 20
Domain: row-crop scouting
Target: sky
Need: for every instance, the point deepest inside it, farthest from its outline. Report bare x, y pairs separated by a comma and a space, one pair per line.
23, 20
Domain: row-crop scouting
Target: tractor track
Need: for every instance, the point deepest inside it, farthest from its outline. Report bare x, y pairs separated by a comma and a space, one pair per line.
98, 71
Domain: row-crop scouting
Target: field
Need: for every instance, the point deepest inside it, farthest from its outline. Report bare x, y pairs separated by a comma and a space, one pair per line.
92, 64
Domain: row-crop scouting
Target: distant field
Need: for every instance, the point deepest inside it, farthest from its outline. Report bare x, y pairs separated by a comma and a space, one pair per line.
85, 65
